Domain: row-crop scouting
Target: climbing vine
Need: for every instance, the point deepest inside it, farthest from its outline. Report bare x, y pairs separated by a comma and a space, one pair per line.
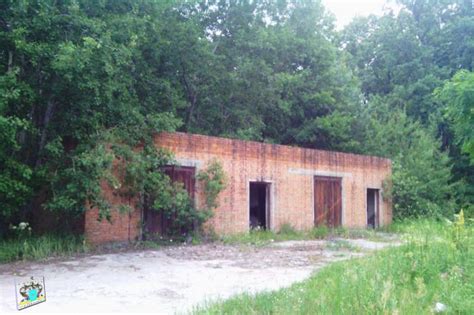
214, 181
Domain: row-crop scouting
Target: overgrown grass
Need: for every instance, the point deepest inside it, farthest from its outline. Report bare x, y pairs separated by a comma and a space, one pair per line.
41, 247
436, 265
287, 233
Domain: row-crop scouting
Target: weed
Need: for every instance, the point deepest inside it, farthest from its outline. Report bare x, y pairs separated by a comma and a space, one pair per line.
319, 232
41, 247
341, 245
287, 229
429, 270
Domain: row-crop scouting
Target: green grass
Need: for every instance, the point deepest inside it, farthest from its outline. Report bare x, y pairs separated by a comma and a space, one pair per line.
41, 247
341, 245
435, 265
288, 233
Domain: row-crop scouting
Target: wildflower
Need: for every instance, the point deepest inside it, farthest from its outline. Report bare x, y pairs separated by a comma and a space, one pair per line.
439, 307
23, 225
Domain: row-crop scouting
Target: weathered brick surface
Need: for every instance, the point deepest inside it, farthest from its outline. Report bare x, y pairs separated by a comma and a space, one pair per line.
290, 170
121, 227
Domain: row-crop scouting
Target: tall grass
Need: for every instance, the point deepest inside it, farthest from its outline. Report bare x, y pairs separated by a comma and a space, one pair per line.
436, 265
40, 247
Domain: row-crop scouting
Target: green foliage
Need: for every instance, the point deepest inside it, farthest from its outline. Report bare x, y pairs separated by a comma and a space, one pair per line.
41, 247
337, 245
91, 77
287, 229
174, 202
78, 184
287, 232
214, 181
78, 76
421, 172
409, 279
320, 232
178, 208
263, 237
15, 176
458, 93
401, 58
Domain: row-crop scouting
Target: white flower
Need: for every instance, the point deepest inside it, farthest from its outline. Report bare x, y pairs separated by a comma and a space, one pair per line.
439, 307
22, 225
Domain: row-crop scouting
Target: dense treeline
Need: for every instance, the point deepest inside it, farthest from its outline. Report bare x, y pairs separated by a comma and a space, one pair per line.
78, 75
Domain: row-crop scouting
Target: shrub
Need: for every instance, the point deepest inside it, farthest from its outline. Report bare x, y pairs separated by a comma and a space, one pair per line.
173, 200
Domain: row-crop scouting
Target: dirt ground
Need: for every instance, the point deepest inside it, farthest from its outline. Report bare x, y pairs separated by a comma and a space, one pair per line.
174, 279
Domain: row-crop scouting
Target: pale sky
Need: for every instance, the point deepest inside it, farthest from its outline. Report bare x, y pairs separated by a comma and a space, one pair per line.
345, 10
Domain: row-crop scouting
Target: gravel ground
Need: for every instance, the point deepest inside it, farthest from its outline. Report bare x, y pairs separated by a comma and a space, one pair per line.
174, 279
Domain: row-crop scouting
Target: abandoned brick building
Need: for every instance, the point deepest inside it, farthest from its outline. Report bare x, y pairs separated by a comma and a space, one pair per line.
268, 185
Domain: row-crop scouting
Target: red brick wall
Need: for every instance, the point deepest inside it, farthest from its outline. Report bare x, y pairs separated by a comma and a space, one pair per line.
121, 227
290, 170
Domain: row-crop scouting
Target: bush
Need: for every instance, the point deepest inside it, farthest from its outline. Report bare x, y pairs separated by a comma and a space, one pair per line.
174, 202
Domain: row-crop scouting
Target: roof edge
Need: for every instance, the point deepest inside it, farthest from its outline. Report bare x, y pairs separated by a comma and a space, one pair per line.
187, 134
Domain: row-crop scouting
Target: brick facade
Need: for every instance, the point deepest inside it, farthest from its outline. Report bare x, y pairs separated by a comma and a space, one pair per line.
289, 170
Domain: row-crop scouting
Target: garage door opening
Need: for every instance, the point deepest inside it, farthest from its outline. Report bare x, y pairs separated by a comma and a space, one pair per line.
327, 201
372, 208
259, 205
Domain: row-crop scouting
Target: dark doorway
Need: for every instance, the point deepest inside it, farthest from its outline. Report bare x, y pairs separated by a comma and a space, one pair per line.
327, 201
372, 208
155, 223
259, 205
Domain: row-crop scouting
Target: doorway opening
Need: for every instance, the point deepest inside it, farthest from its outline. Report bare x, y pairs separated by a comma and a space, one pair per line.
259, 205
372, 208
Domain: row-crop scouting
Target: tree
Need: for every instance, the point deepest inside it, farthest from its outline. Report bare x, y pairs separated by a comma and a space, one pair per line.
403, 58
458, 94
420, 184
